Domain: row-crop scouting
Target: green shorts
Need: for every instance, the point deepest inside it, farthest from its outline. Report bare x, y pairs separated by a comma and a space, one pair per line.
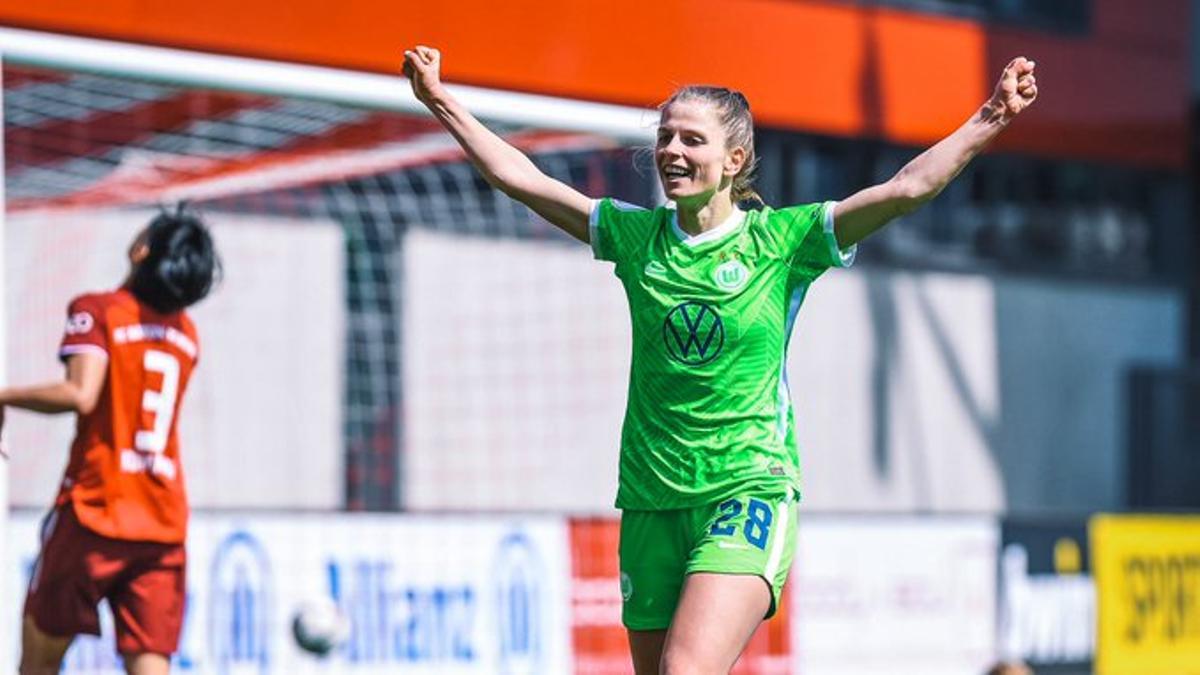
750, 533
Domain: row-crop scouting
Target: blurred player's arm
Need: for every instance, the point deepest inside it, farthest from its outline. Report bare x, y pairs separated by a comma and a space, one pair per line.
502, 166
78, 392
924, 177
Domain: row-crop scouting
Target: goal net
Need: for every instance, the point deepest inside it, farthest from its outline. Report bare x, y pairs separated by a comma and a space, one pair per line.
391, 332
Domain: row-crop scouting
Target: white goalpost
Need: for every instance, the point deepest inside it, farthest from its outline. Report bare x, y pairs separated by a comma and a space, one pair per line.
624, 123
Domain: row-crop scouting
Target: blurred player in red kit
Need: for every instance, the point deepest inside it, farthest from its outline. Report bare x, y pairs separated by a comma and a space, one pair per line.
117, 527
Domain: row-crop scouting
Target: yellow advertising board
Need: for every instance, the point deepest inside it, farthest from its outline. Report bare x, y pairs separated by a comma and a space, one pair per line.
1147, 571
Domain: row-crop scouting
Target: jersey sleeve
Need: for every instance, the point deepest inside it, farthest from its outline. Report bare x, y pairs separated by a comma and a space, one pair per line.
814, 246
617, 229
85, 331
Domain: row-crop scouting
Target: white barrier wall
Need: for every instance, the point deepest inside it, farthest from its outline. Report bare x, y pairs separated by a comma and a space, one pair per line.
424, 595
261, 422
516, 361
913, 391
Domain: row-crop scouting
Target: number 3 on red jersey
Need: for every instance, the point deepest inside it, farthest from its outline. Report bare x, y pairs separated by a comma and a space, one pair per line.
160, 403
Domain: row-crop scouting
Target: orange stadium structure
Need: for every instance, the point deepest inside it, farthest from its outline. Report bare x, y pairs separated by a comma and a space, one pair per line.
819, 66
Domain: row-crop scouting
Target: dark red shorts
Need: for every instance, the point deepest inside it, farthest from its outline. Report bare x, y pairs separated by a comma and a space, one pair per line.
143, 582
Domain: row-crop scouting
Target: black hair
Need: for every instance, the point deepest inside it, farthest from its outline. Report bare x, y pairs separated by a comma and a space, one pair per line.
182, 264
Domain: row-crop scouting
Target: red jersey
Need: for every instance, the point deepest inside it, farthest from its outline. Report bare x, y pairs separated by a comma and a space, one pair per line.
124, 478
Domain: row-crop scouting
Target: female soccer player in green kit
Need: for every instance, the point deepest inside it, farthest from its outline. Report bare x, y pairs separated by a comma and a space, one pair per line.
709, 468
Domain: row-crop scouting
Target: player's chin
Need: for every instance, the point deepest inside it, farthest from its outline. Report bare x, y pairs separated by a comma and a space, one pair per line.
675, 190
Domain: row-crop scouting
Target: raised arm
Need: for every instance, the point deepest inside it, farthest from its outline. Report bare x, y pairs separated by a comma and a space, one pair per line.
503, 166
925, 176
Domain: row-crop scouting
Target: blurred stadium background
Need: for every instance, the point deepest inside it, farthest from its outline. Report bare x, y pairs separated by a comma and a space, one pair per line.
412, 387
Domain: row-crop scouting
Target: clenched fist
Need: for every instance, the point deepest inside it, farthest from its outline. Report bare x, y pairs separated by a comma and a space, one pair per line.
1016, 89
421, 66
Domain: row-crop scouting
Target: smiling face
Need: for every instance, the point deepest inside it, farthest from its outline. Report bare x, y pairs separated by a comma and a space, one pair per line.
691, 152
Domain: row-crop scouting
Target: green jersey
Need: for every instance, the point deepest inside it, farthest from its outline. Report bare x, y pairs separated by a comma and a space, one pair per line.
709, 413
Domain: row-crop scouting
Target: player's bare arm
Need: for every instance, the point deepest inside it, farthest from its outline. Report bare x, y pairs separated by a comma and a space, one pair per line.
927, 175
78, 392
502, 166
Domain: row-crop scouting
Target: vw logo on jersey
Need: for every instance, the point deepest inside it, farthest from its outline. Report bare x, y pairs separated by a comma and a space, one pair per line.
731, 275
693, 333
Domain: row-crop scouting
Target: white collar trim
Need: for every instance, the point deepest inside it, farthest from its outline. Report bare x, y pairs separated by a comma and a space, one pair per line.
731, 223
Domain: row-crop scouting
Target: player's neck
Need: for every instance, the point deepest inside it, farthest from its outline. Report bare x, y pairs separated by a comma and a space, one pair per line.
697, 219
